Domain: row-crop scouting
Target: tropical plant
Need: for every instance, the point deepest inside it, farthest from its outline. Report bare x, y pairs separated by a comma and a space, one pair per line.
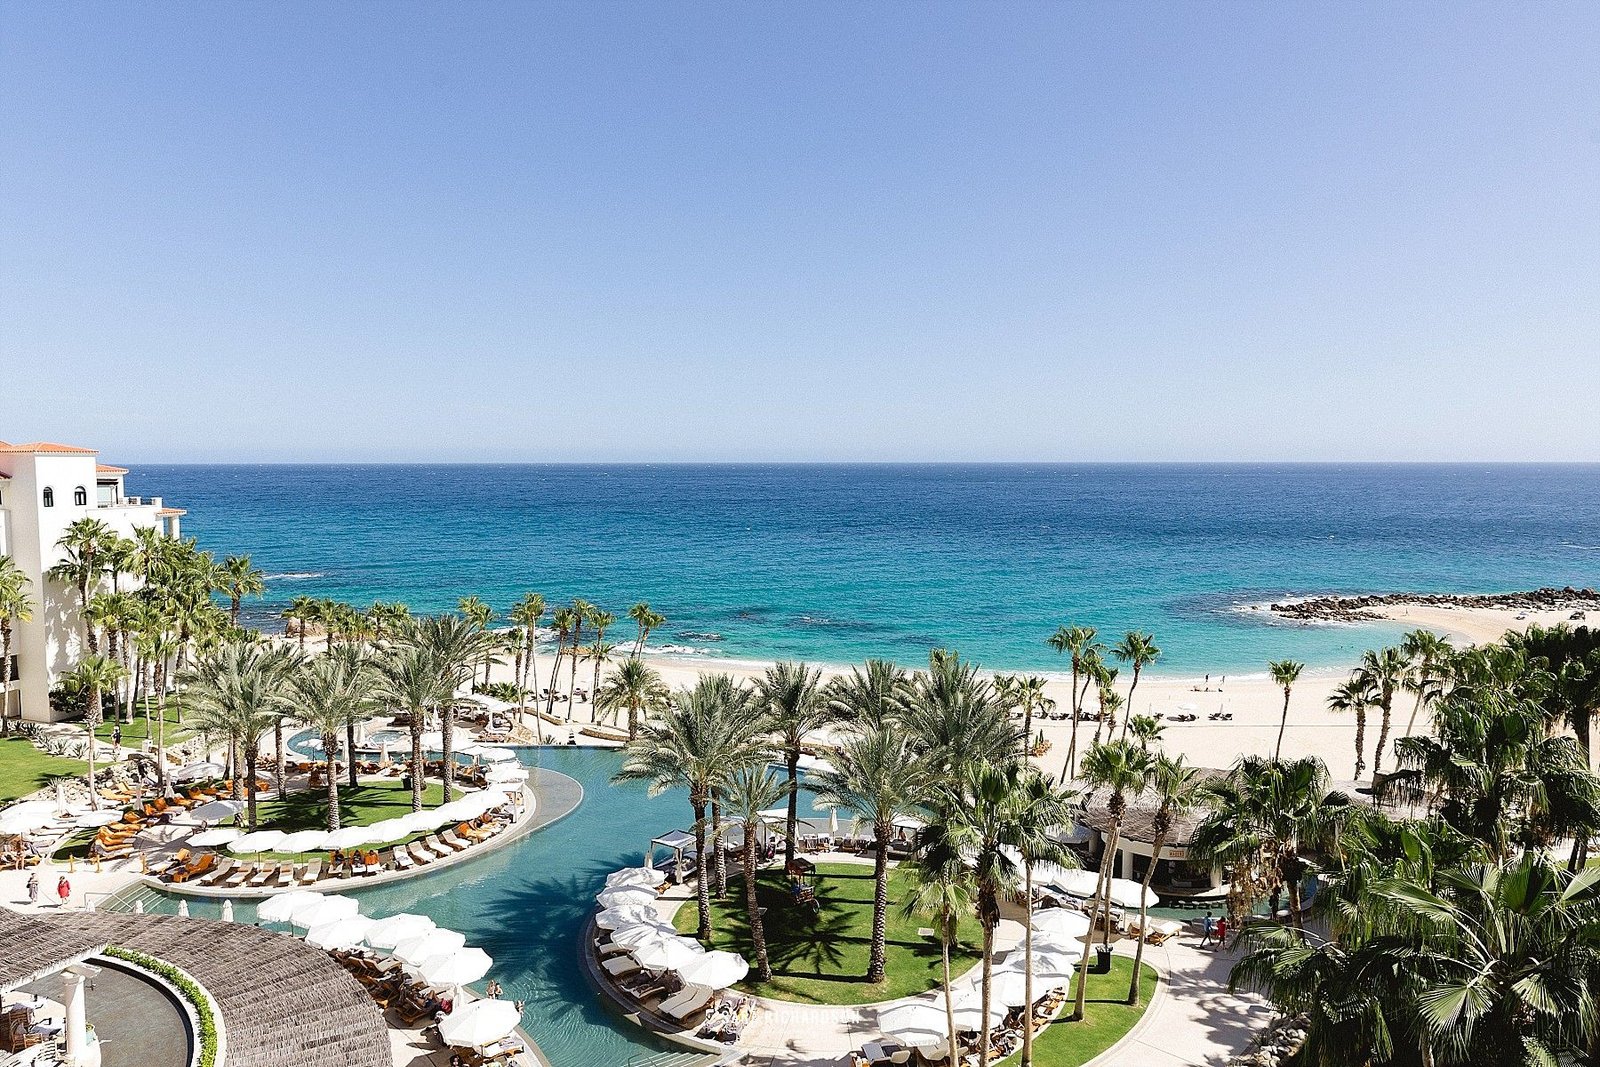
957, 718
1078, 642
943, 890
1121, 769
1138, 650
409, 676
748, 793
635, 687
795, 705
1427, 655
93, 677
1383, 673
527, 613
1175, 787
879, 774
16, 605
84, 545
331, 692
1354, 695
238, 691
1285, 672
239, 580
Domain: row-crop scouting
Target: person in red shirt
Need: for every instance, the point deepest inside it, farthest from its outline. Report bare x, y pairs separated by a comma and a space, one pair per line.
64, 890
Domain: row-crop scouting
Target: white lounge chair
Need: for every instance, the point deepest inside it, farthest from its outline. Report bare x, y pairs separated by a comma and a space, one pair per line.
691, 1001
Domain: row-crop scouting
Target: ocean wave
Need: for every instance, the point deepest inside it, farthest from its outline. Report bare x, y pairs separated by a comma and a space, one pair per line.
293, 576
696, 635
677, 650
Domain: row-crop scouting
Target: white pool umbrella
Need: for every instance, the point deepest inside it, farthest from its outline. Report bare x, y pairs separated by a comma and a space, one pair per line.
667, 953
419, 821
195, 771
1060, 925
341, 933
505, 772
916, 1023
278, 909
495, 755
1049, 964
29, 815
214, 811
626, 915
644, 877
326, 909
1072, 882
312, 743
390, 830
616, 897
348, 837
1127, 893
432, 741
138, 907
391, 930
971, 1017
479, 1023
1008, 988
456, 968
260, 841
183, 908
302, 841
636, 934
222, 835
426, 946
227, 911
91, 819
717, 969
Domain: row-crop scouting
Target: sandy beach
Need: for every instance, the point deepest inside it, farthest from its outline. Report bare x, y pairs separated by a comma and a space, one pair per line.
1254, 702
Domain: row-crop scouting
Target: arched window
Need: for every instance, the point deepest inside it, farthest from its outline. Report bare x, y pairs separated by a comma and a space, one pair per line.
49, 497
80, 497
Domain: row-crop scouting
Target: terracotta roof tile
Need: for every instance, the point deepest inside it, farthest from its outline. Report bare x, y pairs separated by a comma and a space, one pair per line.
102, 468
50, 448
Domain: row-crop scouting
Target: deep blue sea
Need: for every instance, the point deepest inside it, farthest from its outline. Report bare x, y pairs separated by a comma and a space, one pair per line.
838, 563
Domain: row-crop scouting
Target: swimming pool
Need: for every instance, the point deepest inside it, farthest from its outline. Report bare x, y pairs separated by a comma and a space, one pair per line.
526, 905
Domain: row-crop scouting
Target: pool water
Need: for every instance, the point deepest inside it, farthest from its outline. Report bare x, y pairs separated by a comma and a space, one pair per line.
526, 905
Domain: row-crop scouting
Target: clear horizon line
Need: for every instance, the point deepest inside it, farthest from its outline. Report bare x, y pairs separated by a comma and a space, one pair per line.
872, 463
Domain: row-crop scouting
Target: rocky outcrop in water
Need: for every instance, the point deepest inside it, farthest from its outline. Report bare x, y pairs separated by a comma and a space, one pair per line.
1363, 608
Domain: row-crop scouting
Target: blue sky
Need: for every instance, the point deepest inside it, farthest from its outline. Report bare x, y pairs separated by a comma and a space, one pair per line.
801, 232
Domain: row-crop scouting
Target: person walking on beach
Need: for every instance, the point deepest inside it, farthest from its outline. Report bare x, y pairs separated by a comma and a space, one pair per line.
33, 888
1208, 930
64, 890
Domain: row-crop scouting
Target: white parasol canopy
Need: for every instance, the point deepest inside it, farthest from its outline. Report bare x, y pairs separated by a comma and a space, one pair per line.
326, 909
456, 968
260, 841
424, 947
348, 837
625, 915
917, 1023
341, 933
196, 771
1049, 964
278, 909
227, 910
667, 953
970, 1017
1059, 925
505, 772
302, 841
617, 896
1127, 893
391, 829
717, 969
646, 877
393, 929
636, 934
418, 821
479, 1023
489, 754
214, 811
91, 819
222, 835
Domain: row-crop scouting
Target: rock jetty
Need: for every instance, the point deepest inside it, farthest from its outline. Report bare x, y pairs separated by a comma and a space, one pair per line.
1364, 608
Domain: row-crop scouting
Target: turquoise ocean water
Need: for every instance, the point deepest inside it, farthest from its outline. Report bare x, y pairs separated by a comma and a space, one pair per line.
837, 563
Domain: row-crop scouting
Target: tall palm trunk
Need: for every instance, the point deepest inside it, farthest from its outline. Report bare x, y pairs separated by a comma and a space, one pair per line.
1102, 905
1385, 705
235, 759
1144, 913
1361, 741
702, 885
416, 759
330, 746
719, 862
989, 918
1069, 768
793, 762
91, 718
550, 690
1127, 713
1283, 722
350, 750
279, 764
876, 964
1027, 963
572, 676
5, 675
947, 934
91, 639
752, 907
447, 731
251, 754
162, 780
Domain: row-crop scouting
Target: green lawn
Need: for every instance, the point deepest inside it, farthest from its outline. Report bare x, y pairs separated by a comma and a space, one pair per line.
821, 957
359, 805
133, 733
24, 769
1106, 1017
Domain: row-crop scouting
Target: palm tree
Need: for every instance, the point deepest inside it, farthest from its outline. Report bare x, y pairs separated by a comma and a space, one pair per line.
93, 676
409, 676
1121, 769
526, 613
239, 580
475, 611
301, 610
601, 620
1383, 673
1139, 649
1354, 695
648, 620
636, 687
330, 692
15, 606
1285, 672
1079, 643
871, 695
159, 646
599, 654
1038, 807
1028, 692
1177, 791
796, 706
239, 691
563, 620
709, 734
456, 645
84, 544
957, 718
943, 890
748, 793
1426, 653
879, 775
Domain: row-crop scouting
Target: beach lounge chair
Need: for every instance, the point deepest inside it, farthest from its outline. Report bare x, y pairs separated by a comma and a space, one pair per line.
179, 860
240, 874
419, 853
217, 874
437, 847
402, 859
449, 838
691, 1002
617, 966
285, 876
265, 874
197, 868
312, 872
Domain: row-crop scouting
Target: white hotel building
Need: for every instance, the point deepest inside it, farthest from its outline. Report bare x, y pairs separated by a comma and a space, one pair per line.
44, 488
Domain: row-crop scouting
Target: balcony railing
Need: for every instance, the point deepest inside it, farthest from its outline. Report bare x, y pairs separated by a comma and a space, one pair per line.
132, 502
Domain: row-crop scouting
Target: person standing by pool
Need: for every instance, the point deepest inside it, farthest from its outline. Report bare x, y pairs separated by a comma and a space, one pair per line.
64, 890
33, 887
1208, 930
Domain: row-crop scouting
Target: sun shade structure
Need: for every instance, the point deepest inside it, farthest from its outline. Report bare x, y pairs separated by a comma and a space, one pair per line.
341, 933
419, 950
627, 915
348, 837
494, 755
260, 841
637, 934
456, 968
644, 877
222, 835
278, 909
675, 841
667, 953
479, 1023
213, 811
35, 948
196, 771
391, 930
717, 969
1060, 924
324, 910
618, 896
918, 1023
302, 841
